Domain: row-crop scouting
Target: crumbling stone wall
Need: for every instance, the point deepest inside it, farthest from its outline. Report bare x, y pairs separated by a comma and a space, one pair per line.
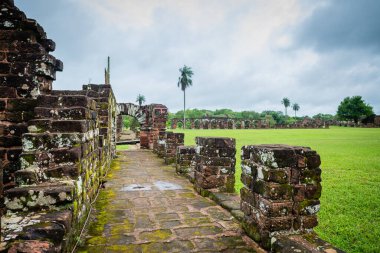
281, 191
185, 159
68, 148
55, 146
173, 140
215, 164
26, 71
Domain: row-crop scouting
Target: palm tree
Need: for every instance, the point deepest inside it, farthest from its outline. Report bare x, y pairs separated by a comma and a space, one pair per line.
185, 81
286, 103
140, 99
295, 107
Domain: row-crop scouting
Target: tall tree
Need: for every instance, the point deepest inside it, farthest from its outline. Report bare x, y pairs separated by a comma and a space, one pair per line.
295, 107
286, 102
353, 108
185, 81
140, 99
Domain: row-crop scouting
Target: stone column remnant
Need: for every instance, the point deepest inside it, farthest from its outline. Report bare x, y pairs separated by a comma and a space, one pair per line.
159, 147
185, 162
215, 164
173, 140
281, 191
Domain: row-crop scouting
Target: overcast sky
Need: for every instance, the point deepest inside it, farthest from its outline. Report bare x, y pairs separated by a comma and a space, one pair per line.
245, 54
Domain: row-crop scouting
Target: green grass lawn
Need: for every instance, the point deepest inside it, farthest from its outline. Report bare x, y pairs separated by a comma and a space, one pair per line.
350, 202
122, 147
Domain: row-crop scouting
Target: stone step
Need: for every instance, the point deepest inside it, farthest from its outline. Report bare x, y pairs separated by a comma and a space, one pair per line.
42, 196
66, 101
60, 126
72, 113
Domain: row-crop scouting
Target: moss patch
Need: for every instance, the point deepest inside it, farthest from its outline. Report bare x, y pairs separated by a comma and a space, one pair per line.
160, 234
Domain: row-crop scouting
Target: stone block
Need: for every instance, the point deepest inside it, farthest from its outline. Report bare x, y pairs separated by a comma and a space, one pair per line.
7, 92
32, 246
45, 230
217, 142
3, 104
309, 191
43, 142
272, 208
215, 161
73, 113
10, 141
66, 101
37, 197
308, 242
273, 191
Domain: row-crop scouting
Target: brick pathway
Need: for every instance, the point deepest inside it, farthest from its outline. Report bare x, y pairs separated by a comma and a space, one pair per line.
146, 207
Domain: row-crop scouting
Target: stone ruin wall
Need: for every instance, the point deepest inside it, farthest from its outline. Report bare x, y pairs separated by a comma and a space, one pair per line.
27, 70
185, 160
215, 164
235, 123
55, 146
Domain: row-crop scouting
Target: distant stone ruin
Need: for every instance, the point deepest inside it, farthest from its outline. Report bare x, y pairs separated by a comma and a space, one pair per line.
152, 119
237, 123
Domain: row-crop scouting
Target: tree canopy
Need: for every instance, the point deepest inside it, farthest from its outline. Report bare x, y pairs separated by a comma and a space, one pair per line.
354, 108
295, 107
286, 102
140, 99
184, 79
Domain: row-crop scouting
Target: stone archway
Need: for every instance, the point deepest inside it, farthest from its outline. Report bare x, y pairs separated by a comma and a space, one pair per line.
152, 119
133, 110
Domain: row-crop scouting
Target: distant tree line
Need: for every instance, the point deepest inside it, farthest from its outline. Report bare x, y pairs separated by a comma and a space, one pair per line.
275, 117
350, 109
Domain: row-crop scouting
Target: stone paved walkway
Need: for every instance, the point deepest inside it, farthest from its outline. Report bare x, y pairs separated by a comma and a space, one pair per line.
146, 207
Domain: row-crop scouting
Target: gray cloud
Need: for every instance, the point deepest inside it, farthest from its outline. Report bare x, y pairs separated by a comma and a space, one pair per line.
245, 56
343, 24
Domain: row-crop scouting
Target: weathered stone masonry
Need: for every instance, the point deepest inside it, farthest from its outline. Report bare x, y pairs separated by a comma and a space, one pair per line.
55, 145
26, 71
185, 160
173, 140
215, 164
280, 197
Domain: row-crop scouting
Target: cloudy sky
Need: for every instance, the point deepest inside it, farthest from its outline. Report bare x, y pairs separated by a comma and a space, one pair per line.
245, 54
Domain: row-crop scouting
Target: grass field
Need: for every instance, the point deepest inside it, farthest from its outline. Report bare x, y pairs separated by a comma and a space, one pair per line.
122, 147
350, 202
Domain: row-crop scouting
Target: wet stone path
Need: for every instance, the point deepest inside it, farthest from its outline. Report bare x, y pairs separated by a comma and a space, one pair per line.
146, 207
